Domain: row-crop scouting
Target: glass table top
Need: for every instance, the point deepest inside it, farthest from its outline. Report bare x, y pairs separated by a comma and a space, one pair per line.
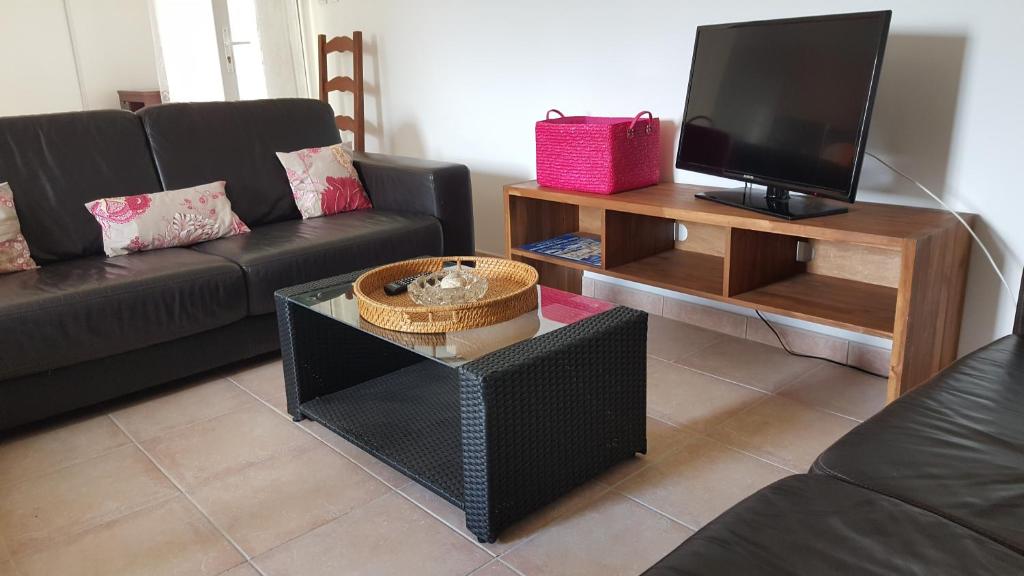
555, 309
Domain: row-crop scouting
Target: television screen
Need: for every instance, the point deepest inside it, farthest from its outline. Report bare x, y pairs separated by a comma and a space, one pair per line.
784, 102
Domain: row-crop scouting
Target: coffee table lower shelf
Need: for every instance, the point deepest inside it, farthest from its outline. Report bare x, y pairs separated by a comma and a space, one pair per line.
408, 419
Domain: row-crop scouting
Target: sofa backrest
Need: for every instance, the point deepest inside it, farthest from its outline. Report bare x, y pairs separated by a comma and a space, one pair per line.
236, 142
56, 163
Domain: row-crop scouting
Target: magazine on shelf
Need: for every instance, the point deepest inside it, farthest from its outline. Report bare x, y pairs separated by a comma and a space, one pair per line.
571, 247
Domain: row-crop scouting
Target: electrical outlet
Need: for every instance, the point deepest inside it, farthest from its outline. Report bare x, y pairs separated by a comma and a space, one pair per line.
804, 251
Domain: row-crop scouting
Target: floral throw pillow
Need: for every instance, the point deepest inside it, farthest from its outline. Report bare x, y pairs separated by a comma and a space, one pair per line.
14, 256
165, 219
324, 181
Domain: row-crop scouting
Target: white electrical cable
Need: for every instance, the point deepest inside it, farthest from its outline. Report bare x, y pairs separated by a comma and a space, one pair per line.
981, 244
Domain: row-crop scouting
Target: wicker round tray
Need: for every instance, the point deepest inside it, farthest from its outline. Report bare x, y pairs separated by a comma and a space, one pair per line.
511, 292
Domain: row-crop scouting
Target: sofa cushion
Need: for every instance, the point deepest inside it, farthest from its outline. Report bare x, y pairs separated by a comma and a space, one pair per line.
70, 312
55, 163
952, 446
299, 251
14, 252
165, 219
817, 525
323, 181
236, 142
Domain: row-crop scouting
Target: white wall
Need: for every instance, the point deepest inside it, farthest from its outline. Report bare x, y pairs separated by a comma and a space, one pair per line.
111, 39
465, 81
36, 61
114, 43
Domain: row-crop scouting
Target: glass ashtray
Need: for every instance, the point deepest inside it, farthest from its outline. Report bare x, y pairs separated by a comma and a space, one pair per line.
448, 287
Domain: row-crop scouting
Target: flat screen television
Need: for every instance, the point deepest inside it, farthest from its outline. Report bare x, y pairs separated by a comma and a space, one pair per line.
785, 104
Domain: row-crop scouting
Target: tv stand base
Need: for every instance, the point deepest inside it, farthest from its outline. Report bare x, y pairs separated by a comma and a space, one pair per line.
775, 202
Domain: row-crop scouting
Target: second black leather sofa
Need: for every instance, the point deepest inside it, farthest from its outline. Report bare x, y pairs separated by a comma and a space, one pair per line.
933, 484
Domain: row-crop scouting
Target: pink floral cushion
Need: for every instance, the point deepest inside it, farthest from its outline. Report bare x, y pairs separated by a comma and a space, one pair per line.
165, 219
324, 181
14, 256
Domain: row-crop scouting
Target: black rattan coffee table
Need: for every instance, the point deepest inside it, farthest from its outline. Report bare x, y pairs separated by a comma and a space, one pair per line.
499, 420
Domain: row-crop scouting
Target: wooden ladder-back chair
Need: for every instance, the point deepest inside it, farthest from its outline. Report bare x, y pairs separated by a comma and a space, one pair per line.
354, 84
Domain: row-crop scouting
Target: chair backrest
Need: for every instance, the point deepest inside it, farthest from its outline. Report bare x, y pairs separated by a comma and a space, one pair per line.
354, 84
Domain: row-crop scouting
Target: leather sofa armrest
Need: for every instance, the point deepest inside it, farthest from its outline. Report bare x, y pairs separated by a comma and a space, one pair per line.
437, 188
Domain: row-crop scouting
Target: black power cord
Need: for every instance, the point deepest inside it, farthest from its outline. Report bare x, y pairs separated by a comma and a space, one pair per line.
786, 348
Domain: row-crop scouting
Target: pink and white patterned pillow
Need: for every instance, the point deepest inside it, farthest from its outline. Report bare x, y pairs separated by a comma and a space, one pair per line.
14, 255
324, 181
165, 219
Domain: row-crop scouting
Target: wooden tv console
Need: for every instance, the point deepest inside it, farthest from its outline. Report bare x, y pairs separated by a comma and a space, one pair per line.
891, 271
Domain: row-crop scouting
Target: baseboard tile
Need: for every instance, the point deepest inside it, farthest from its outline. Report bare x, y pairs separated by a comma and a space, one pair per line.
626, 296
705, 317
869, 358
863, 356
798, 340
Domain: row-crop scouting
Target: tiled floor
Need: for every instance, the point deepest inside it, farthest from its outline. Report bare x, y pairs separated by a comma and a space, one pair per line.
212, 478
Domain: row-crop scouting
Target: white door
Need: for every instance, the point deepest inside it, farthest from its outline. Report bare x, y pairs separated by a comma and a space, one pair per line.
241, 55
214, 49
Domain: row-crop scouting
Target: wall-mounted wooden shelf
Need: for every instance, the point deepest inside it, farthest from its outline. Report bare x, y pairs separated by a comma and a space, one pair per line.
890, 271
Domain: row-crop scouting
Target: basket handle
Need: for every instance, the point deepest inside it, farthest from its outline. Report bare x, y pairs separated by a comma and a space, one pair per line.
548, 115
632, 125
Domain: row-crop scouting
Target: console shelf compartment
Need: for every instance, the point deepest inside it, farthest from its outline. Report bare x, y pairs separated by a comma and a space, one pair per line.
848, 304
678, 270
530, 254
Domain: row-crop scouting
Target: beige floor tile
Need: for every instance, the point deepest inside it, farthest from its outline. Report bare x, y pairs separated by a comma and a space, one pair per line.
286, 496
513, 535
6, 564
841, 390
783, 431
382, 471
750, 363
692, 399
671, 340
224, 445
613, 535
662, 438
706, 317
169, 539
42, 451
700, 480
266, 381
387, 536
35, 513
495, 568
242, 570
180, 407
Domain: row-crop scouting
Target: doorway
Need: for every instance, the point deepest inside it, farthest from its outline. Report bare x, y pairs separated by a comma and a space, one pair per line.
227, 49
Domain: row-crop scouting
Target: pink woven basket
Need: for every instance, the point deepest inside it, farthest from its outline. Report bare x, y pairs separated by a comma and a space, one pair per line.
599, 155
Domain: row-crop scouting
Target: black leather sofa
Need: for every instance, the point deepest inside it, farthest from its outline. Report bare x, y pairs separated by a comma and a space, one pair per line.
84, 328
933, 484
